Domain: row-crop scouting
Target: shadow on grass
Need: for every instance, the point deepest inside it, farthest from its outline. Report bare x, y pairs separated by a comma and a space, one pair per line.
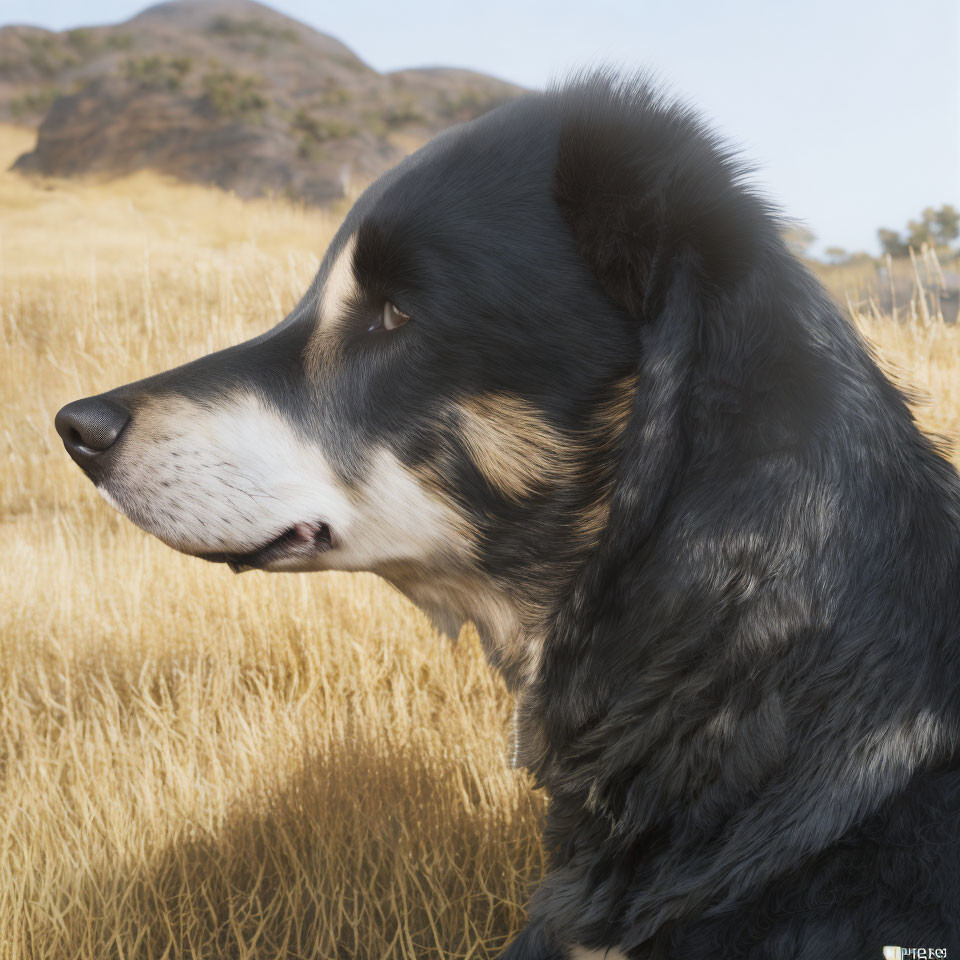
379, 851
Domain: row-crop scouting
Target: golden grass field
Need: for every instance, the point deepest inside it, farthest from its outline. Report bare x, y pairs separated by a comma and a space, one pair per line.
198, 765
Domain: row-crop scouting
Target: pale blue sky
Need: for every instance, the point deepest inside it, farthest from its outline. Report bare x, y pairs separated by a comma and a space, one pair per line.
849, 110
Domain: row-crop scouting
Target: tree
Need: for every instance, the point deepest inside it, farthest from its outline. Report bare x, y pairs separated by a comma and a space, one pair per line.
947, 220
918, 231
936, 227
837, 255
891, 242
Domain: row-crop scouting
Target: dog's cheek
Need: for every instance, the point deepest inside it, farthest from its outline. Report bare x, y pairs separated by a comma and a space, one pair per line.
400, 521
512, 445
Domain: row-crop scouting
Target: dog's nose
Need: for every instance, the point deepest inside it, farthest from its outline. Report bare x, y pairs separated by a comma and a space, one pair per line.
89, 427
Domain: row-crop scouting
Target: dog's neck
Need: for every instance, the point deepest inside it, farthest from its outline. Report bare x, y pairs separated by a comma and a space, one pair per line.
451, 597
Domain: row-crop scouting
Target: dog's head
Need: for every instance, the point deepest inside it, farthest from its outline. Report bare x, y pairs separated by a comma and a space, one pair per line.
448, 405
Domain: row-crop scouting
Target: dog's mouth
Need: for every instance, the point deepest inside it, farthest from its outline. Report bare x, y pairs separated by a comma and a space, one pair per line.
300, 541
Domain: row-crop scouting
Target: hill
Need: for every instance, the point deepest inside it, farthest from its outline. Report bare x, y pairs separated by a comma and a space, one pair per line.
225, 92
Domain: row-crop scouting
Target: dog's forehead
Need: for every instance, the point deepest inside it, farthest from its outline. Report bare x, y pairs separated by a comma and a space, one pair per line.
465, 177
479, 185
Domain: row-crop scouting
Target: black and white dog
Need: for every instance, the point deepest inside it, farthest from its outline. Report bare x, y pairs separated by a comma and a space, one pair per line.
559, 375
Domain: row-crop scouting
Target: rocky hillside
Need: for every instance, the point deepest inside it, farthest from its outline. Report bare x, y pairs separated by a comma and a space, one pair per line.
228, 92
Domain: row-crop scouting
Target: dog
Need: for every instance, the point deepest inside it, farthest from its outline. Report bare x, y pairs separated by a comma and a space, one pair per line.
559, 375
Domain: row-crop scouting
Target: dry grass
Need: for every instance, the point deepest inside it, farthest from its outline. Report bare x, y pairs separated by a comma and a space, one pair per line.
197, 765
916, 349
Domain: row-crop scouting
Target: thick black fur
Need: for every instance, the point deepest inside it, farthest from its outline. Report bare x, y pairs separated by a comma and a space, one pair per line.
746, 710
747, 714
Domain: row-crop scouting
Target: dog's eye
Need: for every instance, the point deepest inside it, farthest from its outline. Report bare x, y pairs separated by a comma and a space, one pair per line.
390, 318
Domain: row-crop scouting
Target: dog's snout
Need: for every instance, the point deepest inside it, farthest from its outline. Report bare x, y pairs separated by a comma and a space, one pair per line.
89, 427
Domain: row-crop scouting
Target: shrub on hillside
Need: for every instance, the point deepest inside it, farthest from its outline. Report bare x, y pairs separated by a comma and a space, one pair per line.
156, 72
235, 96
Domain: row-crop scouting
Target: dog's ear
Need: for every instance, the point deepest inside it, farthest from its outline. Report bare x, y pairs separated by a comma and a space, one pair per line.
641, 182
660, 216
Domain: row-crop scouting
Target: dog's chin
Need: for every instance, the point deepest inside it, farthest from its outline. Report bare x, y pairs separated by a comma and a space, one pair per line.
299, 547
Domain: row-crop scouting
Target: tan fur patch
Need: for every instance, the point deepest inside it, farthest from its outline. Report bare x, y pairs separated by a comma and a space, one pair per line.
611, 421
614, 414
339, 287
513, 447
593, 520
